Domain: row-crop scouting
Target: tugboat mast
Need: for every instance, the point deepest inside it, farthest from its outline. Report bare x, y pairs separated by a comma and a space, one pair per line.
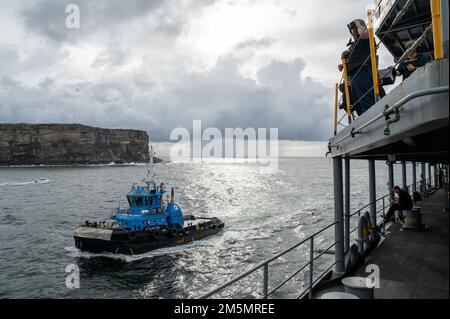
150, 178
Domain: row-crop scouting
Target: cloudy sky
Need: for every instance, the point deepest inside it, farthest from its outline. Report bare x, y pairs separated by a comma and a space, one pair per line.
156, 65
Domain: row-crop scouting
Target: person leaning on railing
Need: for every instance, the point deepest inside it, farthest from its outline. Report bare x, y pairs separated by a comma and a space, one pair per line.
359, 68
415, 60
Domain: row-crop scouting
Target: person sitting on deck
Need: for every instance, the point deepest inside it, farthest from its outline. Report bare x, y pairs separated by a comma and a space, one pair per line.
359, 68
404, 203
414, 61
416, 197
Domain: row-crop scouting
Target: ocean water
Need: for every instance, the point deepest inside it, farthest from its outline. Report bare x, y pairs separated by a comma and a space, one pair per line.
263, 215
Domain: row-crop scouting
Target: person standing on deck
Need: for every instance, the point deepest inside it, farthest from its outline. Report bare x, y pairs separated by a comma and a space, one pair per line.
422, 185
359, 68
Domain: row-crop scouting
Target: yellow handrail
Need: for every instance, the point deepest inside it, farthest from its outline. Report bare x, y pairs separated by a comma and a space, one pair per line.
438, 54
336, 101
373, 57
347, 91
437, 29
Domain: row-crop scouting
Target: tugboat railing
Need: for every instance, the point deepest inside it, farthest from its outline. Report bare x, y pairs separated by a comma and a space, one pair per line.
120, 210
311, 281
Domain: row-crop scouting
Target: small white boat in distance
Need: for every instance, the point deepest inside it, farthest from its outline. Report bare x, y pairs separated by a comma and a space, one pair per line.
42, 180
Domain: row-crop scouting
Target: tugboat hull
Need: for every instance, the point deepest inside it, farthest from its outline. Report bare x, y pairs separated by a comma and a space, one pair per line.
128, 242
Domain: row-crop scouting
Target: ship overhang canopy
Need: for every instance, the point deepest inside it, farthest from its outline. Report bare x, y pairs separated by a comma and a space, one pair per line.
409, 26
421, 132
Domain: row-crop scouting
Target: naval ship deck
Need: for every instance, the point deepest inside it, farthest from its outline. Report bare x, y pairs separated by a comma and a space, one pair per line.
413, 264
408, 126
417, 135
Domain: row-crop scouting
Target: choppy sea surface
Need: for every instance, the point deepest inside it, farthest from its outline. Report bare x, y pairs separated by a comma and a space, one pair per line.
263, 215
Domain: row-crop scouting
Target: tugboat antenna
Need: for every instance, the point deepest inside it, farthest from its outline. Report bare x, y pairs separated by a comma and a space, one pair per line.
151, 174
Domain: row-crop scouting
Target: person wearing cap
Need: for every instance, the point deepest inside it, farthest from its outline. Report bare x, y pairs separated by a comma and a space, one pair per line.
415, 60
359, 68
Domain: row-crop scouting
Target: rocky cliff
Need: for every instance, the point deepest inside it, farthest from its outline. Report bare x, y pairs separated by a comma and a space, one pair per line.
70, 144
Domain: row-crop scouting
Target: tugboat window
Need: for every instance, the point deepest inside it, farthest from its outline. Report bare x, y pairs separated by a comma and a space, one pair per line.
148, 201
139, 201
131, 201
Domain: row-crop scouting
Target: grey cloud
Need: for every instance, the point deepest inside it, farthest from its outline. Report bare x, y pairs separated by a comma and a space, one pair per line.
254, 43
280, 73
280, 98
46, 83
104, 105
47, 17
291, 13
330, 27
220, 98
112, 56
170, 23
9, 60
43, 57
8, 82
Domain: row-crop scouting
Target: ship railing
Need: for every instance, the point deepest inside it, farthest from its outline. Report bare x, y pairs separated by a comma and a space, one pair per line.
436, 29
120, 210
394, 109
308, 291
383, 203
266, 293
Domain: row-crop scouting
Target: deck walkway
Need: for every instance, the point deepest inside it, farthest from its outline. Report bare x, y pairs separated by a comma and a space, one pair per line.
413, 264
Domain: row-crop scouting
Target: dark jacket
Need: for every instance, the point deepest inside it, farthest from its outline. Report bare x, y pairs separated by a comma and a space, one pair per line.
404, 199
419, 61
360, 52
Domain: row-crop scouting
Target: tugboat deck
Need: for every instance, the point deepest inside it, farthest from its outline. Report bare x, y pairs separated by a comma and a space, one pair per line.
198, 221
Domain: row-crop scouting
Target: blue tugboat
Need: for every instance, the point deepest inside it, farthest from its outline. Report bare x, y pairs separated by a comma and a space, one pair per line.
148, 223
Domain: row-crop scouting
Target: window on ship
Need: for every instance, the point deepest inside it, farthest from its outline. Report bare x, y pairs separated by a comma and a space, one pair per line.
148, 200
139, 201
131, 201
